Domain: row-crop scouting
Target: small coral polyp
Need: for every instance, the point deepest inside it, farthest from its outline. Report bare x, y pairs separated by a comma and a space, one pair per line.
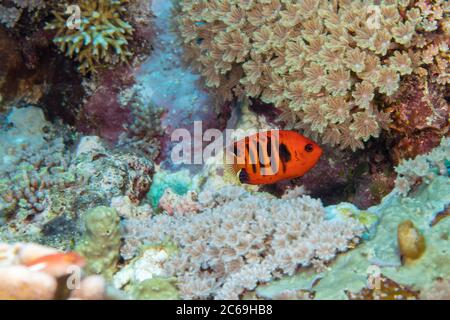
330, 65
102, 37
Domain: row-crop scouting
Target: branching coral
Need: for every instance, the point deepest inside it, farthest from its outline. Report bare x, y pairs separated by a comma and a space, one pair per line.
220, 258
423, 168
34, 159
45, 188
326, 62
102, 37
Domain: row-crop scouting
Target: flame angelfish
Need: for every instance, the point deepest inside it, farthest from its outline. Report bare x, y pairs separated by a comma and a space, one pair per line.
271, 156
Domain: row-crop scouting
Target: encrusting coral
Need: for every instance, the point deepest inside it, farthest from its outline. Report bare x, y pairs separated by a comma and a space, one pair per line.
102, 37
327, 64
374, 270
420, 117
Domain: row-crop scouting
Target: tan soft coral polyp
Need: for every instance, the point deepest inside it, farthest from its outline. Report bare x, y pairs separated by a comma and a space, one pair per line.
351, 49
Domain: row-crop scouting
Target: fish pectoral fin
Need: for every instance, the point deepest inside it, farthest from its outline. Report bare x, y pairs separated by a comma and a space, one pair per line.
230, 168
231, 172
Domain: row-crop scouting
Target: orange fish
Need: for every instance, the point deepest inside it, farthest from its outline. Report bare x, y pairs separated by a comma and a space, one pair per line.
57, 264
271, 156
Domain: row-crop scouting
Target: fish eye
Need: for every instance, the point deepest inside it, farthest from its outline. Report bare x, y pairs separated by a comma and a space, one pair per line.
309, 147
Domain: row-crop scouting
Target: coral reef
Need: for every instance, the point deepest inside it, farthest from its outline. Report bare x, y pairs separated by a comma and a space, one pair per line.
156, 289
387, 290
31, 73
374, 269
215, 257
94, 206
440, 290
218, 258
179, 182
33, 159
144, 132
101, 38
145, 278
103, 114
164, 82
45, 188
327, 64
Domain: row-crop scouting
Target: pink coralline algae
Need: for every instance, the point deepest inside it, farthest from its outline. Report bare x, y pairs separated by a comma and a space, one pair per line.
421, 118
103, 114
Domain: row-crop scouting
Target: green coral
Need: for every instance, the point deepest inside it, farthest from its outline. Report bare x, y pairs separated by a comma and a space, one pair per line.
158, 288
102, 37
101, 242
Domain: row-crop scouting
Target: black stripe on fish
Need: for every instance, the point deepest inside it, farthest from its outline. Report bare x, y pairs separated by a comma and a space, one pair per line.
247, 151
254, 156
285, 155
269, 147
265, 158
235, 149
